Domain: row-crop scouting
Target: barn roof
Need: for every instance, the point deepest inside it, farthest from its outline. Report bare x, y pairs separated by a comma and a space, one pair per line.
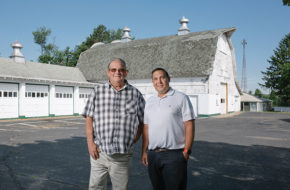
251, 98
32, 71
190, 55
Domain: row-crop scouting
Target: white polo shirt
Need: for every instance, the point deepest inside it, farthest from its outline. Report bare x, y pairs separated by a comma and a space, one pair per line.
165, 117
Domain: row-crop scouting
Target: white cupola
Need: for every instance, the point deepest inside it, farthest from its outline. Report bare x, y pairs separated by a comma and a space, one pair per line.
183, 30
126, 36
17, 56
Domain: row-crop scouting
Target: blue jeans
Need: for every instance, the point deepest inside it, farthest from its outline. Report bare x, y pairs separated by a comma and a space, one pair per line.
167, 170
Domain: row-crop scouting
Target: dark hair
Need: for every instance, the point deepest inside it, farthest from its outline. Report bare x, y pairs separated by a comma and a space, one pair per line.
164, 71
123, 63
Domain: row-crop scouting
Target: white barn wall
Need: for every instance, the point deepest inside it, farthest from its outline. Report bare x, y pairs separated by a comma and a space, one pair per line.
195, 88
223, 73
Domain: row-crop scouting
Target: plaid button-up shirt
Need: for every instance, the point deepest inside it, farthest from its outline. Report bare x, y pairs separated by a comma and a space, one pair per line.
116, 116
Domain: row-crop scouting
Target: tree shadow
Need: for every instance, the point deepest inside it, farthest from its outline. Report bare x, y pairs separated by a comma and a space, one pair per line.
226, 166
286, 120
60, 164
64, 164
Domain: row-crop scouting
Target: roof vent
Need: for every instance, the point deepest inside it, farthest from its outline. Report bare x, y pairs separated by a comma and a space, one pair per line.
115, 41
17, 56
126, 36
183, 30
97, 44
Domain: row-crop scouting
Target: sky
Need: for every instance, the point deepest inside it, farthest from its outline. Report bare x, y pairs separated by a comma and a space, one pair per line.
263, 23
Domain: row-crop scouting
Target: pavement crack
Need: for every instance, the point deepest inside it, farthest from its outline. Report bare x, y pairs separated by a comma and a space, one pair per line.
8, 170
51, 180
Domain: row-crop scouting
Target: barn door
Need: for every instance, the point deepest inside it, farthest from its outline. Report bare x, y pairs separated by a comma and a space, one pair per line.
224, 98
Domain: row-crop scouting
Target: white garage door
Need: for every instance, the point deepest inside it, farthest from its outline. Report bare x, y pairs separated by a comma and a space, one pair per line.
83, 97
64, 100
36, 101
8, 100
194, 103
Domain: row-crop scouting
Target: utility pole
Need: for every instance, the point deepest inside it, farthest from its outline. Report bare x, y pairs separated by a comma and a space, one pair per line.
244, 72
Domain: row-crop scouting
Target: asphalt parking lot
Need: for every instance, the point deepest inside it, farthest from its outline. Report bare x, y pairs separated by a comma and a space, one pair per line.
241, 151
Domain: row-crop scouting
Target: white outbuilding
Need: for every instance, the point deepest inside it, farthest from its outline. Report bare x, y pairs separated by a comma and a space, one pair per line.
255, 104
201, 64
29, 89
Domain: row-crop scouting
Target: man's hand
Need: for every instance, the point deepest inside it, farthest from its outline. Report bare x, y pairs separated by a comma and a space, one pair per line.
92, 147
139, 133
186, 156
94, 150
144, 159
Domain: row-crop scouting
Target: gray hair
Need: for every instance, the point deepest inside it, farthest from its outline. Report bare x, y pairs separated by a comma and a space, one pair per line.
123, 63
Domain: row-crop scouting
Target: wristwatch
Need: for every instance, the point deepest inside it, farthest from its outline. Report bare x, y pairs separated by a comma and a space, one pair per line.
187, 151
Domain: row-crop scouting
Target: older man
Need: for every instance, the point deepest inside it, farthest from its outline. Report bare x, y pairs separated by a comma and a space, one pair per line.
168, 134
114, 120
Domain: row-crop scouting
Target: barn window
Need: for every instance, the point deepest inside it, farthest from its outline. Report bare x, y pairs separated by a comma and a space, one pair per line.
29, 94
223, 100
64, 95
60, 95
0, 93
45, 94
14, 94
10, 94
5, 94
41, 94
38, 94
56, 95
33, 94
70, 95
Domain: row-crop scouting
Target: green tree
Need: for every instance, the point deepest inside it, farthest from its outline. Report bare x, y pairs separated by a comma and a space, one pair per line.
276, 77
40, 37
51, 54
258, 93
284, 84
100, 34
55, 56
274, 98
286, 2
250, 92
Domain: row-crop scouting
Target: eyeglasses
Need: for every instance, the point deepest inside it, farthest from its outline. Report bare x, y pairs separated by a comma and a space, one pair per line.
115, 70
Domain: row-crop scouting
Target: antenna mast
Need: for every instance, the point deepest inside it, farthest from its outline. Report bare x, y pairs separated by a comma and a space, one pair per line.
244, 73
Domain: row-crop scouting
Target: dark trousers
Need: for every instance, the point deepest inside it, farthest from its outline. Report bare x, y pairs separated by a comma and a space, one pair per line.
167, 170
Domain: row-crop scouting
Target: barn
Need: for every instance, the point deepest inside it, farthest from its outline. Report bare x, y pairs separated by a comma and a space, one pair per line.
201, 64
29, 89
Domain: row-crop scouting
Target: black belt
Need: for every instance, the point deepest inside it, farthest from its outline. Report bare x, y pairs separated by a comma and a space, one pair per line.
165, 149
